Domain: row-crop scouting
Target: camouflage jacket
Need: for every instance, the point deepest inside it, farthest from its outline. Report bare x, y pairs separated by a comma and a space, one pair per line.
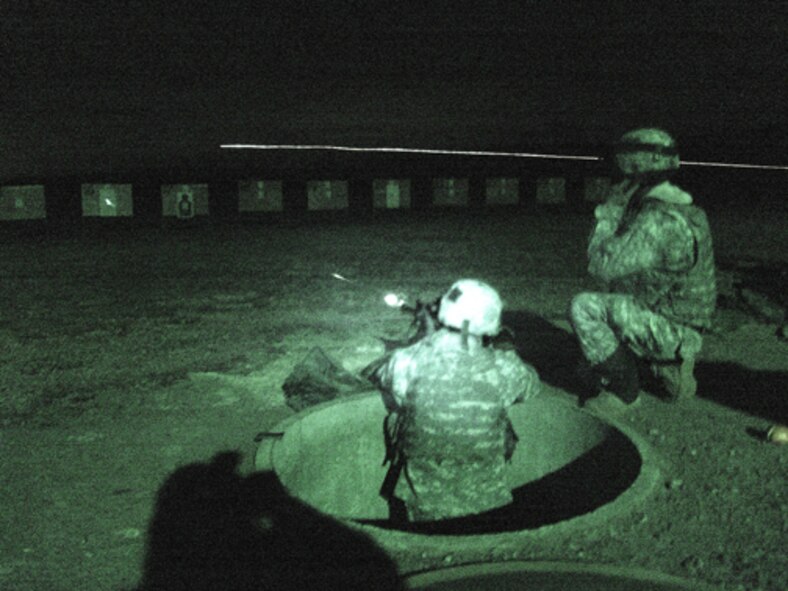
658, 249
453, 398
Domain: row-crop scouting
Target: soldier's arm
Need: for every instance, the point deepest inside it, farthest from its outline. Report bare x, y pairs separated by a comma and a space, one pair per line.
608, 218
531, 386
609, 214
522, 381
656, 240
393, 377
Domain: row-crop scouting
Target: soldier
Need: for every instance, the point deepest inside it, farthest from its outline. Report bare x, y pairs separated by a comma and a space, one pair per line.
447, 394
652, 247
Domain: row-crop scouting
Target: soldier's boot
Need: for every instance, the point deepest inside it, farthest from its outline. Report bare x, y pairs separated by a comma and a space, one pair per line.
677, 378
620, 383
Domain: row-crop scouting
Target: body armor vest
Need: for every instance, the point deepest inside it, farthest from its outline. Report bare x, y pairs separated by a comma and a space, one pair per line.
455, 412
686, 298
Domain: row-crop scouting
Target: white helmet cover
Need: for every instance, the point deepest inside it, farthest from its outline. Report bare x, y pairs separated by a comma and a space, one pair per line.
474, 301
646, 150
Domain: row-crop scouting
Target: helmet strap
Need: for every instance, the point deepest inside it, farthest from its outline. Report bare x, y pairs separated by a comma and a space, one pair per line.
464, 331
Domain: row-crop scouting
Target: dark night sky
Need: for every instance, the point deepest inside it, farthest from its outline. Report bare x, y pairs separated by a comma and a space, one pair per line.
145, 84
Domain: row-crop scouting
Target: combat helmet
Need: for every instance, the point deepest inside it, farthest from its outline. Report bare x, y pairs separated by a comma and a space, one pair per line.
474, 302
646, 152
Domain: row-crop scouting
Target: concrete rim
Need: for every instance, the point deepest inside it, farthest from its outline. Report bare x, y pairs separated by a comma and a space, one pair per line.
646, 481
636, 574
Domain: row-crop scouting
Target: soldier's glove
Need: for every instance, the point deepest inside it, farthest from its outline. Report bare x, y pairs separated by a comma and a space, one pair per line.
613, 208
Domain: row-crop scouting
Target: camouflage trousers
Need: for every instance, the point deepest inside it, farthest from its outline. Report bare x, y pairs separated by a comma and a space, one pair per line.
435, 489
602, 321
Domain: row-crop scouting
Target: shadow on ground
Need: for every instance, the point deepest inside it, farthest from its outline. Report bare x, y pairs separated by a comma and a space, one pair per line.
215, 529
757, 393
552, 351
555, 353
758, 287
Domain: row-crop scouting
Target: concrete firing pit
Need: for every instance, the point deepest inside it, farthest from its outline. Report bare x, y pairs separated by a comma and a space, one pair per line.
547, 576
571, 469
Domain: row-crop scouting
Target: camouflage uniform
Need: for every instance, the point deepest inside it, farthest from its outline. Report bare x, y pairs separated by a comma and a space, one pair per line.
451, 401
653, 249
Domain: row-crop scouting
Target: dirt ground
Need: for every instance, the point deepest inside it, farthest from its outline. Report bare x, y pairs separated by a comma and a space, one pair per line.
136, 364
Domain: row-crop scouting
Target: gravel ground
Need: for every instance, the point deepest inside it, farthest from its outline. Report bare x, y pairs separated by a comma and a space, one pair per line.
131, 360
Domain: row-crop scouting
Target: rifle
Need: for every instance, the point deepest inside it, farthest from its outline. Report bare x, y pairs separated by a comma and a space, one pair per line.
424, 322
